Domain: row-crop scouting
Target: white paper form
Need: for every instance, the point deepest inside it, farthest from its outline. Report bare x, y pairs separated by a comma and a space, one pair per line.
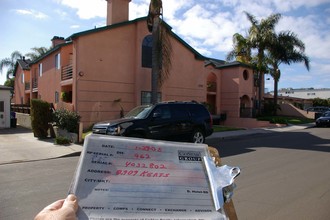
136, 179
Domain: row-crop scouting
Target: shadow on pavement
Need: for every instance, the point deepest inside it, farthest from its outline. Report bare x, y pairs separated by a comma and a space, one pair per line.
301, 140
17, 130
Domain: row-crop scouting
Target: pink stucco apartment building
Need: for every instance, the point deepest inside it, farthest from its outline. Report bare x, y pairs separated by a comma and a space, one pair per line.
99, 71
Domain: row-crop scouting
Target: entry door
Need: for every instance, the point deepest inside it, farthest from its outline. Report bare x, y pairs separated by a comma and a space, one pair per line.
2, 114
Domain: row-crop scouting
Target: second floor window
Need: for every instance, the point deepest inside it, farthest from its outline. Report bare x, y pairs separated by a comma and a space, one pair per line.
40, 69
147, 51
23, 78
58, 61
146, 97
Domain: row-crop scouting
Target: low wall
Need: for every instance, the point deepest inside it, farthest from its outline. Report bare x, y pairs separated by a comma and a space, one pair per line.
291, 110
24, 120
248, 123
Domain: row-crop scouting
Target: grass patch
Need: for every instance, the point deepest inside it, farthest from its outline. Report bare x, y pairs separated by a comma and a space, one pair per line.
219, 128
285, 120
85, 134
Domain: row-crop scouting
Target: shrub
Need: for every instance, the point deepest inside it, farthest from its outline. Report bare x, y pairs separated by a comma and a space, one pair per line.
321, 102
62, 140
40, 117
66, 120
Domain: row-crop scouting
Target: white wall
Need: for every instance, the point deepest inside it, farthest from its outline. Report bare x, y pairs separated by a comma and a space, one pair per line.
5, 116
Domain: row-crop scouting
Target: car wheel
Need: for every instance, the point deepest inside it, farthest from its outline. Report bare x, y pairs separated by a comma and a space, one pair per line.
198, 137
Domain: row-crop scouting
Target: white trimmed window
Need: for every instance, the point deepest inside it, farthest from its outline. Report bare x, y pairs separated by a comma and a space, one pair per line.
58, 61
40, 69
23, 78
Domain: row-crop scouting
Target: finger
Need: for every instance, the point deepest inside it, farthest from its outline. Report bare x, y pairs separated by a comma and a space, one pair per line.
55, 205
71, 202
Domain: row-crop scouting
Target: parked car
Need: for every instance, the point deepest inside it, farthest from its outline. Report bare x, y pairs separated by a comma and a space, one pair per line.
176, 121
319, 110
324, 120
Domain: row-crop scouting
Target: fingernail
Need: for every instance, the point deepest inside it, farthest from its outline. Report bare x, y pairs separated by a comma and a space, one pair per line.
71, 197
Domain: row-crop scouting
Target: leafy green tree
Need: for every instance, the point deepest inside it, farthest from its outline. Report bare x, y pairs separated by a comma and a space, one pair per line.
36, 52
321, 102
9, 63
10, 83
161, 48
260, 36
285, 48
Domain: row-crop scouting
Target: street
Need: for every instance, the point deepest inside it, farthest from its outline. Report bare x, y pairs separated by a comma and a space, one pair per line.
26, 188
284, 175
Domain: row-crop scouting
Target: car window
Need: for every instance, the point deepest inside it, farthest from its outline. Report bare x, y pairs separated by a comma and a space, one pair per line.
179, 112
326, 114
163, 111
139, 112
198, 110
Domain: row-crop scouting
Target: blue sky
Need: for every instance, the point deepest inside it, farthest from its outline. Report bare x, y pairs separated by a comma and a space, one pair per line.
208, 26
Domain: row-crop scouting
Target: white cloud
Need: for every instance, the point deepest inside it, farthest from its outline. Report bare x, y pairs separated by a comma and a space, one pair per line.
312, 31
137, 10
61, 13
87, 9
285, 5
33, 13
76, 26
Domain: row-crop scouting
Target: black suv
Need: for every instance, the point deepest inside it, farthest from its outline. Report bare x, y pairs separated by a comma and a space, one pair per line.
176, 121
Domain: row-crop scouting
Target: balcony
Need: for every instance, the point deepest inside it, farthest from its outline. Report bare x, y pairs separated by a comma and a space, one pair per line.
27, 85
34, 83
66, 72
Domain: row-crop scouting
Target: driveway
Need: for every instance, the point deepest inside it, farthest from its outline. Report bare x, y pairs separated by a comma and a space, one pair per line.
20, 145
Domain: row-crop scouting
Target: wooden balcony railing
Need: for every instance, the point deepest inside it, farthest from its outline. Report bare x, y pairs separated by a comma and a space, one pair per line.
66, 72
34, 83
21, 108
27, 85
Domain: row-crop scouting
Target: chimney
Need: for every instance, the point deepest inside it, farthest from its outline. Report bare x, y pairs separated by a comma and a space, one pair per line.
117, 11
57, 40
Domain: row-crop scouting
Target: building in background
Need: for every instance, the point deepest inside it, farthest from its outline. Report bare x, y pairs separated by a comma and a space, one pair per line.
305, 93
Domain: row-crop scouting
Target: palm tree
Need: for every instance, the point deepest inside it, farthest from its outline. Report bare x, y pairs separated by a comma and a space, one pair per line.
241, 50
260, 37
37, 52
161, 48
9, 63
286, 48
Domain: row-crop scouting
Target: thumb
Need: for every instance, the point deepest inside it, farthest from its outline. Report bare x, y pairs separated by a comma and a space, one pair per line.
71, 202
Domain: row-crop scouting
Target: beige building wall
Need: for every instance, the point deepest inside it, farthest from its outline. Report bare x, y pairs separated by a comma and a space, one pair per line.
109, 68
21, 95
107, 74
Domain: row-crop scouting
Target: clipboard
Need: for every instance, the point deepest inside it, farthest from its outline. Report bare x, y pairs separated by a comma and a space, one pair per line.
119, 178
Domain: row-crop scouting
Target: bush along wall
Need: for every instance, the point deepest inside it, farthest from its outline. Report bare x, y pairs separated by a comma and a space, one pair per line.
66, 124
40, 118
66, 120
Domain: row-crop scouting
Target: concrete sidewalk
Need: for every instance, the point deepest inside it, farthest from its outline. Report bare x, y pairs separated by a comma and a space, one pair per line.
19, 145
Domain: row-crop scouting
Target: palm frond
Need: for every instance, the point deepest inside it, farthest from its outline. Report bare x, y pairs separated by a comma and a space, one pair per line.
165, 47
